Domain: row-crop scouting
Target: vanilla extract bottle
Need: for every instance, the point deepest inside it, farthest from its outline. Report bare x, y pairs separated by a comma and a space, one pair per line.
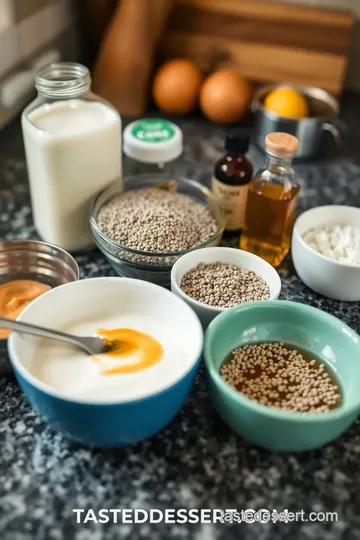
230, 182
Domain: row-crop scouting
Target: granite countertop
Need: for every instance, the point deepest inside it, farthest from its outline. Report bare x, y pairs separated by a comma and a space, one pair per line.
196, 462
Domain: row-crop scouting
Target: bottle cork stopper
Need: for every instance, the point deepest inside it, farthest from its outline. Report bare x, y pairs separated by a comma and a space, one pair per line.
282, 143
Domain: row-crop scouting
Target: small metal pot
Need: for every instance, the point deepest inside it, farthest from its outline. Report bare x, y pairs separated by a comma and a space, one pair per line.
324, 110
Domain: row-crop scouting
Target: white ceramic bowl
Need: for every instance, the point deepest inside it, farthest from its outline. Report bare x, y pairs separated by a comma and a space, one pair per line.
323, 275
237, 257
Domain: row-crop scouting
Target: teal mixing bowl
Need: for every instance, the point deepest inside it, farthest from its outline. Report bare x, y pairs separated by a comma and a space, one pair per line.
302, 326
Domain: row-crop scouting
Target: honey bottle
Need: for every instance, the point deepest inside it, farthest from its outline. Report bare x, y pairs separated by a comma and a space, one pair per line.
232, 175
271, 202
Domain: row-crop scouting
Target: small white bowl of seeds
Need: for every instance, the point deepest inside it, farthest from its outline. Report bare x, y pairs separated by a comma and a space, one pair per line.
212, 280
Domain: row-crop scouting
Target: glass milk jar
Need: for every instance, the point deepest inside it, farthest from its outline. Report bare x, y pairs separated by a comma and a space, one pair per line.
73, 150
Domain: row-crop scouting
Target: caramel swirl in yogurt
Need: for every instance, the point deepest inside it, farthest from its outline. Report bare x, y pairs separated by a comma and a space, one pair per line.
127, 343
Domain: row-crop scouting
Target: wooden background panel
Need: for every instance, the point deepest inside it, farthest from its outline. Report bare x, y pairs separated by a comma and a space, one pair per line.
288, 33
258, 62
265, 41
265, 9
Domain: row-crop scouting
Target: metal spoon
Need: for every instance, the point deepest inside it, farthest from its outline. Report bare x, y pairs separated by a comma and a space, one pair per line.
92, 345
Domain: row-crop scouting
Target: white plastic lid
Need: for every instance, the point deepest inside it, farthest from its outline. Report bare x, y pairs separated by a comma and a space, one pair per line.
152, 140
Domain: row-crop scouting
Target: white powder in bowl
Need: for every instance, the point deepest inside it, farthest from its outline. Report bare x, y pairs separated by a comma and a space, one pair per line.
338, 242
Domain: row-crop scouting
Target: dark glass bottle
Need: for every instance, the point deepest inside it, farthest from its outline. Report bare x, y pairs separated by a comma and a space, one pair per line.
230, 182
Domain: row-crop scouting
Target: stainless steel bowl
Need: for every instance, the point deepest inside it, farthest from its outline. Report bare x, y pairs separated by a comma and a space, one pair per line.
30, 259
324, 110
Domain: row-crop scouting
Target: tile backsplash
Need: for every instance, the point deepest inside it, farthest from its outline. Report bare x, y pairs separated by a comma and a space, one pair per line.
6, 13
31, 31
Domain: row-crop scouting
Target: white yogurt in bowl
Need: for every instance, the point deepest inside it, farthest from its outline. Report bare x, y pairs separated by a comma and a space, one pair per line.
76, 375
82, 308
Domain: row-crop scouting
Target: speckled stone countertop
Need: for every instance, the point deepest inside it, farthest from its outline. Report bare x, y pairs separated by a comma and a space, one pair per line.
196, 462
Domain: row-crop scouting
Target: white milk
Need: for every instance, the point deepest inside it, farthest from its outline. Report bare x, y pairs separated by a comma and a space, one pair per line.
73, 150
75, 374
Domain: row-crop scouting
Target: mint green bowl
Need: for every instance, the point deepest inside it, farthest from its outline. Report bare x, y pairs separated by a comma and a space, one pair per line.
332, 341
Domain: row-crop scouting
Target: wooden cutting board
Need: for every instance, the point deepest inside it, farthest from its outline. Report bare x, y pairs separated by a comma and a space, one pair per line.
266, 41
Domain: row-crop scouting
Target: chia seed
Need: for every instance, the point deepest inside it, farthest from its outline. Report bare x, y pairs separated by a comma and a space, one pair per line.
280, 376
223, 285
156, 221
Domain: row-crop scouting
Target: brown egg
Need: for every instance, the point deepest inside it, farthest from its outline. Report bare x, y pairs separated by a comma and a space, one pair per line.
225, 96
176, 86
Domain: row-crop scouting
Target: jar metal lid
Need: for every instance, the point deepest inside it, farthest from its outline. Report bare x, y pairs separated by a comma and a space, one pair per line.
152, 140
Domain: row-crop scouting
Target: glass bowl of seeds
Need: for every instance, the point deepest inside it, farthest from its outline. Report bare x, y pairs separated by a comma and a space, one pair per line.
145, 228
284, 375
212, 280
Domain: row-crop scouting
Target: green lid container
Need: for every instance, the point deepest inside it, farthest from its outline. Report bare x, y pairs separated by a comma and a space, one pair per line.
153, 141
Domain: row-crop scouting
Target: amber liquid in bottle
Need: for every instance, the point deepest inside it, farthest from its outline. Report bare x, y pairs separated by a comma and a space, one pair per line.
270, 210
270, 236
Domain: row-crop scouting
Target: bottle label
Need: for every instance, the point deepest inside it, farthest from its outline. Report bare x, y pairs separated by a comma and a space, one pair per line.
233, 202
152, 130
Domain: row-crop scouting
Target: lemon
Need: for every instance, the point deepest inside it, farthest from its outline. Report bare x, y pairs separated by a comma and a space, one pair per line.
287, 102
